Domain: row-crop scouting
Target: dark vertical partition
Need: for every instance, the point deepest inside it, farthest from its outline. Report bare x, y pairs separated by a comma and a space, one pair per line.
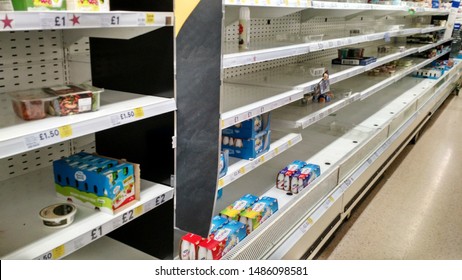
198, 68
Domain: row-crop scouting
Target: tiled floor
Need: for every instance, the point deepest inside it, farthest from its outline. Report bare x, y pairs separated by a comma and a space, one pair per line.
415, 211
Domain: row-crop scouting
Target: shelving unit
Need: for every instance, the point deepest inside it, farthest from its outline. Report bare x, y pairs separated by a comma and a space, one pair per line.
353, 138
42, 49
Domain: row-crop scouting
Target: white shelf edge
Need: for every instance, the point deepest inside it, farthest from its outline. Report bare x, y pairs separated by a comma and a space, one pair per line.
270, 3
243, 166
385, 83
71, 20
324, 112
92, 228
26, 136
257, 108
250, 57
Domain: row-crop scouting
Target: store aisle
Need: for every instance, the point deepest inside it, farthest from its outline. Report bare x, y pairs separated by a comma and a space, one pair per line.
415, 211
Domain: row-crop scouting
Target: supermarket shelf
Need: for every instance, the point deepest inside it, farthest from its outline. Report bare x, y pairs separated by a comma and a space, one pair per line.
117, 108
372, 142
349, 79
269, 3
263, 8
242, 167
68, 20
298, 77
260, 51
242, 102
24, 196
107, 248
338, 195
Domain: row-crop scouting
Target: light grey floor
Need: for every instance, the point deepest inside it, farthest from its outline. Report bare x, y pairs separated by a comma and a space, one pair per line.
415, 211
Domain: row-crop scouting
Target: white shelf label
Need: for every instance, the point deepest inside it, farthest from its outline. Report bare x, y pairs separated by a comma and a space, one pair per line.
48, 137
53, 20
110, 20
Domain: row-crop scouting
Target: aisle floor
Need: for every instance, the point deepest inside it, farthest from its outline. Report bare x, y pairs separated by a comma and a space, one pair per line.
414, 212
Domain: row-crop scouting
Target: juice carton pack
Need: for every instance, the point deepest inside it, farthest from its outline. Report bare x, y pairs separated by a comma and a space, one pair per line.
233, 211
217, 223
210, 249
189, 246
106, 184
231, 234
39, 5
304, 177
285, 176
258, 213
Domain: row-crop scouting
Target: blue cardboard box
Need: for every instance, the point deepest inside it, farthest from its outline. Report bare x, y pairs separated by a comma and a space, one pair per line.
249, 128
247, 148
231, 234
108, 189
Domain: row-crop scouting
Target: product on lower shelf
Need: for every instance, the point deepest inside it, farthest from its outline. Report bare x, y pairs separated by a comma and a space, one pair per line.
303, 177
254, 216
223, 163
97, 182
217, 223
189, 246
285, 175
233, 211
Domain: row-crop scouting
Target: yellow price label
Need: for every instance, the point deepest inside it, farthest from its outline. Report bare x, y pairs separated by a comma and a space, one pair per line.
242, 170
309, 221
58, 252
150, 19
256, 2
286, 2
268, 2
298, 3
262, 159
331, 199
221, 183
222, 123
138, 211
290, 142
277, 150
231, 1
65, 131
243, 1
139, 112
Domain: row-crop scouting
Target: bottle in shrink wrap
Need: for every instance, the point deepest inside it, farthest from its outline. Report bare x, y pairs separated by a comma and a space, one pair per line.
244, 27
189, 245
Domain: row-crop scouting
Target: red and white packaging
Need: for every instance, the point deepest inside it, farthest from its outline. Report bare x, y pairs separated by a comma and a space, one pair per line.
189, 246
211, 249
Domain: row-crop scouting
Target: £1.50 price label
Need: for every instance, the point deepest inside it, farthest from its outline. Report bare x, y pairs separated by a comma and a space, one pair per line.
48, 137
127, 116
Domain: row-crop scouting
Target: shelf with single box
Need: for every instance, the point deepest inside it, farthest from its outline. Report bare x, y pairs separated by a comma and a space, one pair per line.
40, 242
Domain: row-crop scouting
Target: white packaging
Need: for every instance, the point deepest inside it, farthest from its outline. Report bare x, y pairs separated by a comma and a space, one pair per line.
185, 246
244, 27
5, 5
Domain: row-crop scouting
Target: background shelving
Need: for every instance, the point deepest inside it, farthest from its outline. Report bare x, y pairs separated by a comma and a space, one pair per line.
355, 128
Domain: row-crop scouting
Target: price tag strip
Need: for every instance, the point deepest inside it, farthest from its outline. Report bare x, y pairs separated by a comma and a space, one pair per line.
41, 20
102, 230
243, 167
247, 112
